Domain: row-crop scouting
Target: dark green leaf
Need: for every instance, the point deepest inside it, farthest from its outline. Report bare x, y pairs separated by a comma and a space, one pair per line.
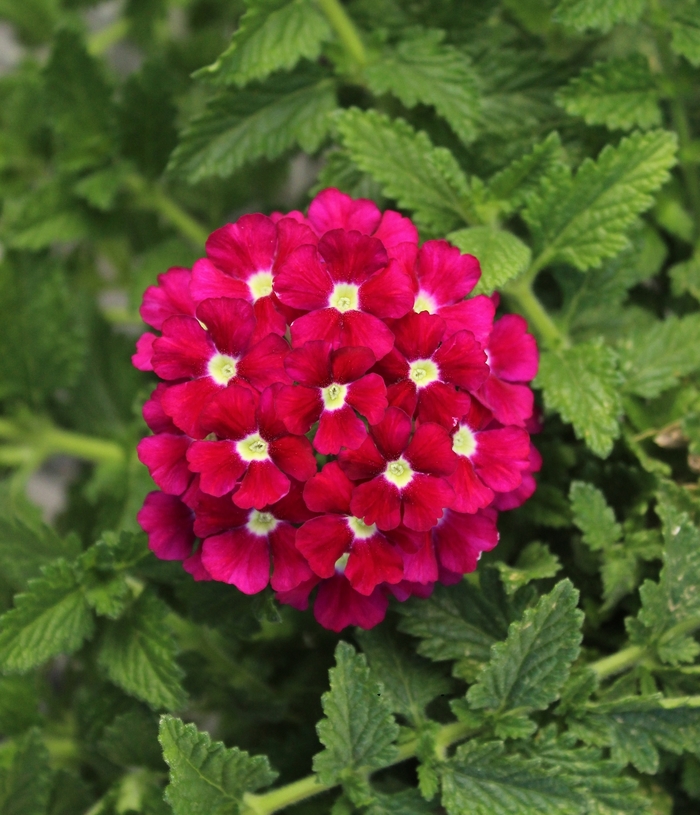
25, 785
535, 562
593, 516
600, 14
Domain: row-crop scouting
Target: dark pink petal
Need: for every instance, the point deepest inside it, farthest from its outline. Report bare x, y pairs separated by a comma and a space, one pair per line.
445, 273
269, 421
323, 324
299, 407
421, 566
294, 456
291, 233
392, 433
153, 414
299, 597
310, 364
268, 320
405, 589
462, 361
358, 328
475, 315
403, 395
338, 605
518, 496
332, 209
442, 404
209, 281
424, 500
377, 502
302, 281
512, 351
244, 247
230, 323
394, 229
329, 491
290, 567
184, 403
510, 404
460, 539
393, 367
350, 256
231, 414
418, 335
407, 539
322, 541
430, 450
183, 351
373, 561
471, 493
350, 363
368, 396
238, 557
292, 507
168, 524
144, 352
501, 456
389, 293
218, 463
193, 565
339, 428
169, 298
164, 455
263, 365
363, 463
214, 515
262, 484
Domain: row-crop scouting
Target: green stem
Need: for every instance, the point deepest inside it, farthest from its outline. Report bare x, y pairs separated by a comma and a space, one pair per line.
680, 701
346, 31
521, 293
89, 448
103, 40
273, 801
616, 663
151, 196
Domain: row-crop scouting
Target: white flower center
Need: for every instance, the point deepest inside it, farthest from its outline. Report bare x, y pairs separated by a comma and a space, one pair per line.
260, 285
399, 472
424, 302
222, 368
423, 372
464, 441
360, 529
345, 297
334, 396
252, 448
261, 523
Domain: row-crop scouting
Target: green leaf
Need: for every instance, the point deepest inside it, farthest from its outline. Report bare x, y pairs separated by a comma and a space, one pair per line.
685, 33
593, 516
206, 778
25, 785
408, 802
132, 740
654, 360
482, 779
138, 654
599, 14
502, 256
420, 177
410, 683
260, 122
583, 220
422, 69
535, 562
582, 384
101, 188
340, 171
19, 705
618, 93
359, 730
52, 617
529, 669
685, 277
80, 104
273, 35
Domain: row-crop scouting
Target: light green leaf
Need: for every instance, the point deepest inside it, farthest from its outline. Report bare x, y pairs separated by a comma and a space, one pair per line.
535, 562
618, 93
101, 188
685, 33
685, 277
26, 784
138, 654
422, 69
583, 220
52, 617
273, 35
408, 802
259, 122
654, 360
206, 778
593, 516
599, 14
420, 177
582, 384
502, 256
529, 669
359, 730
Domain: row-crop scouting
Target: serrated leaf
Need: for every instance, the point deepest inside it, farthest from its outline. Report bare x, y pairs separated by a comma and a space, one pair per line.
138, 654
410, 683
583, 220
599, 14
483, 780
535, 562
618, 93
582, 384
593, 516
685, 33
273, 35
654, 360
502, 256
339, 171
259, 122
52, 617
408, 802
422, 69
685, 277
529, 669
206, 778
25, 785
419, 176
359, 730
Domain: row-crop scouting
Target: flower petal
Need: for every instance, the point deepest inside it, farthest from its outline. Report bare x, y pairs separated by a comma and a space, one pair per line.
512, 351
263, 483
185, 403
445, 273
142, 359
164, 455
231, 414
183, 351
350, 256
263, 365
169, 298
244, 247
350, 363
323, 324
388, 293
310, 364
218, 463
510, 404
363, 463
339, 428
460, 539
338, 605
230, 323
290, 567
332, 209
360, 329
168, 523
424, 500
329, 491
377, 502
430, 450
302, 281
299, 407
418, 335
475, 315
392, 433
294, 456
322, 541
368, 396
240, 558
208, 281
471, 493
462, 361
373, 561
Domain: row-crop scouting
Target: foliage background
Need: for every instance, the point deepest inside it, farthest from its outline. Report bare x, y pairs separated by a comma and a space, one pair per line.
556, 139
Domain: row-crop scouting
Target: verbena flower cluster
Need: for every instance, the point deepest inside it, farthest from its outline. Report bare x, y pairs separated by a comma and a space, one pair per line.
334, 414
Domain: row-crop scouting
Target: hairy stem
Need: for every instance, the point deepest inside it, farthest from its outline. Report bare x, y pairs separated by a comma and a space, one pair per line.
523, 297
345, 29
